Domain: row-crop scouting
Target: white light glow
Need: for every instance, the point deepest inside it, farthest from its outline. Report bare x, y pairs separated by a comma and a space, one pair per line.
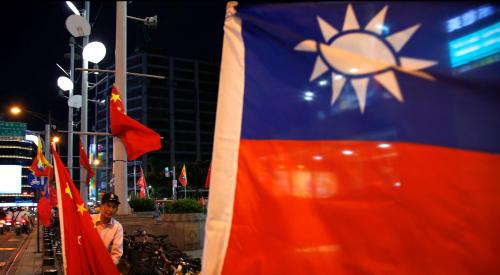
318, 157
383, 145
11, 179
347, 152
72, 7
65, 83
397, 184
323, 83
94, 52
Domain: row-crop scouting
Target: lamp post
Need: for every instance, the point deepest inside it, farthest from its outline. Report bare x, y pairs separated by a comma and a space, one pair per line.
93, 52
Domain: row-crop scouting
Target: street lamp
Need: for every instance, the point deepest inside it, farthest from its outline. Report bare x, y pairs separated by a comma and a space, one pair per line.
64, 83
94, 52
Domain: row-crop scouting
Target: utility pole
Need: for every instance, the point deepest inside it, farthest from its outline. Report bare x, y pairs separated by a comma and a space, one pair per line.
70, 109
119, 156
84, 111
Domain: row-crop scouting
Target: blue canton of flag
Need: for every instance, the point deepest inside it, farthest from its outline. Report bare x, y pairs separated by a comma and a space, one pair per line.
35, 182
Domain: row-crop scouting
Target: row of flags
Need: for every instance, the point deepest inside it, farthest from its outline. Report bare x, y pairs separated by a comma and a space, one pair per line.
83, 250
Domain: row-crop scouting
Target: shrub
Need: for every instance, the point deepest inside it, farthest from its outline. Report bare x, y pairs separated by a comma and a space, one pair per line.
142, 205
183, 206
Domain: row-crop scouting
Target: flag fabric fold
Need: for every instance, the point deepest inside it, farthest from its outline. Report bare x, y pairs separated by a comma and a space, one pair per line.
44, 206
84, 161
40, 165
83, 249
137, 138
356, 138
183, 176
141, 183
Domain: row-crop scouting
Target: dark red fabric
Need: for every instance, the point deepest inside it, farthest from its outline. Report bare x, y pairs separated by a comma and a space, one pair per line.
84, 161
207, 181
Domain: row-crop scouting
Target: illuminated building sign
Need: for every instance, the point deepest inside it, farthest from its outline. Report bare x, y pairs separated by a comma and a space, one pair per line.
474, 46
469, 18
12, 130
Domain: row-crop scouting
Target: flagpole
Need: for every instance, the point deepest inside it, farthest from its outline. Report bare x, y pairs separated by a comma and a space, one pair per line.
135, 181
119, 155
60, 211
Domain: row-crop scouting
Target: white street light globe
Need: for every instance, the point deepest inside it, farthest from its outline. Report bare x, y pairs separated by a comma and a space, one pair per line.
65, 83
94, 52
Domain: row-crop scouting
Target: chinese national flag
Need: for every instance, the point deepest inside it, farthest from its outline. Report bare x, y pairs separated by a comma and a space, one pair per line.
83, 249
84, 161
137, 138
183, 177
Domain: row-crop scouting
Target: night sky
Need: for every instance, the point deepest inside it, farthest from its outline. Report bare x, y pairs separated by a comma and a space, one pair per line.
34, 39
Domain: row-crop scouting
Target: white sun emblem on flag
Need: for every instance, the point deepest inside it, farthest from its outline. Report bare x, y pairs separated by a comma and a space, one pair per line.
356, 55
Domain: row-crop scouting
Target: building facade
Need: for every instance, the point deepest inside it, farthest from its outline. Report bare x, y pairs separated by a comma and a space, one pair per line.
181, 108
16, 154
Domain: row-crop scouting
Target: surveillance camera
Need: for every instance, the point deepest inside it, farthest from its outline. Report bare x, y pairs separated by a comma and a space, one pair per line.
151, 22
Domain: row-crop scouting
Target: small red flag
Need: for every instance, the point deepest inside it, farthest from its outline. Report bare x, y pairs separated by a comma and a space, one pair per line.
183, 176
84, 161
137, 138
141, 183
52, 196
207, 181
44, 210
83, 249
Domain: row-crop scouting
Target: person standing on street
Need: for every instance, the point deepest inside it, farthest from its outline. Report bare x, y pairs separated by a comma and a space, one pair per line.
110, 230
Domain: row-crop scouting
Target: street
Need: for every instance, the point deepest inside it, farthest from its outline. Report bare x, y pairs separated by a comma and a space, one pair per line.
9, 246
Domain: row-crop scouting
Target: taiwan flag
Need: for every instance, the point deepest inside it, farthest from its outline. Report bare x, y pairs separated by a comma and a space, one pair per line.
357, 138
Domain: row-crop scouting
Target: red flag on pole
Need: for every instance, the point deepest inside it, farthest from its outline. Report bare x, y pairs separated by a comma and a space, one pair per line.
82, 247
141, 183
207, 181
137, 138
40, 166
183, 177
44, 210
84, 161
52, 196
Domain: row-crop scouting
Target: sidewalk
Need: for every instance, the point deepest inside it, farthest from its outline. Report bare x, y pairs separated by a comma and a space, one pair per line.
29, 261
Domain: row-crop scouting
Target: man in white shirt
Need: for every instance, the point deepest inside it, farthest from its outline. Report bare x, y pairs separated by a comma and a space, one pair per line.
110, 230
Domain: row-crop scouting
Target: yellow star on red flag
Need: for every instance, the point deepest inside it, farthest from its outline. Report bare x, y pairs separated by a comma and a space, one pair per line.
81, 208
68, 191
115, 97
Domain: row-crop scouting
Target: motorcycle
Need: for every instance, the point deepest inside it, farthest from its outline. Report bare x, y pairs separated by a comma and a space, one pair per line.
17, 226
22, 227
8, 224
